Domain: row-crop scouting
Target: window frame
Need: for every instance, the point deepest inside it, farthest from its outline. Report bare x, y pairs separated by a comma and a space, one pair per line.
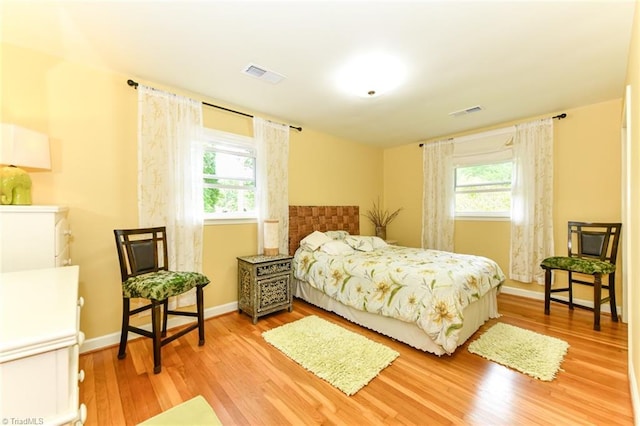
487, 148
213, 137
480, 214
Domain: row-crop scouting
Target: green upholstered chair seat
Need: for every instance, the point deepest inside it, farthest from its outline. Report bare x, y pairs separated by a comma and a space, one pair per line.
578, 264
162, 284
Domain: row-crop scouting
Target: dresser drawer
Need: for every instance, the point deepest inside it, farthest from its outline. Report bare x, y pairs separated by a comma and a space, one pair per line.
40, 346
62, 233
33, 237
63, 258
42, 386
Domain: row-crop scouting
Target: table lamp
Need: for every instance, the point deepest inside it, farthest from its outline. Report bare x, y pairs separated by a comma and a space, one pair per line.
20, 147
271, 237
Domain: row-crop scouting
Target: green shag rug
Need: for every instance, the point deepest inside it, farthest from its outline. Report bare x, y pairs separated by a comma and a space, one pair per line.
345, 359
523, 350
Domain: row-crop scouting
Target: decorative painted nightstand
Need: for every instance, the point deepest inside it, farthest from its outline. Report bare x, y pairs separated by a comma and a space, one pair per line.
264, 284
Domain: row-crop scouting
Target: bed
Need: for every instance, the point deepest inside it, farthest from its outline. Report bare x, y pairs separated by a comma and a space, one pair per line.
428, 299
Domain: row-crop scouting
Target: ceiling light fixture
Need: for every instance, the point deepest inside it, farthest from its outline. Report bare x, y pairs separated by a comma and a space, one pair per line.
371, 75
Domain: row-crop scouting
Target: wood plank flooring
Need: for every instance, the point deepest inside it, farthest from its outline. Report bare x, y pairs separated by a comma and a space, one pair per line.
248, 382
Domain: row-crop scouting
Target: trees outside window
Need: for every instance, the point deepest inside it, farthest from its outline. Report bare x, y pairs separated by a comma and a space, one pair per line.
229, 173
483, 190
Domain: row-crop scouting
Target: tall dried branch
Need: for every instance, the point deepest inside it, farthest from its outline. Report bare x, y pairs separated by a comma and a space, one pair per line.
380, 217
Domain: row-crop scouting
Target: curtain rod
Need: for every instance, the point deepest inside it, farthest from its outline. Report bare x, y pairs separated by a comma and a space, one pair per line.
559, 117
134, 84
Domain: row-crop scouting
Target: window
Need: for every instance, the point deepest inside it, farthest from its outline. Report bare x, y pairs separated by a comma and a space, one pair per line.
483, 167
229, 173
483, 190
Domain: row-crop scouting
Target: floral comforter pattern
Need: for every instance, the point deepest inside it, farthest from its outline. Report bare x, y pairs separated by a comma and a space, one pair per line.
427, 287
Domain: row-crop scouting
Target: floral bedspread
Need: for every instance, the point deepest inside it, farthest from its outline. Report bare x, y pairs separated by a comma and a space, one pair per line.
427, 287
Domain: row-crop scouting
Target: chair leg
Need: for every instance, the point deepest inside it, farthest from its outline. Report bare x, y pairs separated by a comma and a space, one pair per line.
547, 290
200, 309
165, 316
570, 285
157, 340
122, 351
597, 297
612, 297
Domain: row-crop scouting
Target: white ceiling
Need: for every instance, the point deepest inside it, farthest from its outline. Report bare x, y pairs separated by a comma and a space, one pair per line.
516, 59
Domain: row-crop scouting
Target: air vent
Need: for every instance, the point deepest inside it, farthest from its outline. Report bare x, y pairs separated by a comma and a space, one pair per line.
254, 71
466, 111
262, 73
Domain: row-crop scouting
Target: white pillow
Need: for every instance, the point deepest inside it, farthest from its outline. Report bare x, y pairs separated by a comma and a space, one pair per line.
365, 243
378, 242
337, 235
336, 247
314, 240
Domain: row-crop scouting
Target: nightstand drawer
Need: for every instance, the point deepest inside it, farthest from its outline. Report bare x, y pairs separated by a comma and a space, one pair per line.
273, 268
273, 292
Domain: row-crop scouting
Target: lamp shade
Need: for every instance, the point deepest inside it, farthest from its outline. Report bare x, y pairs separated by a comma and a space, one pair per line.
26, 148
20, 147
271, 237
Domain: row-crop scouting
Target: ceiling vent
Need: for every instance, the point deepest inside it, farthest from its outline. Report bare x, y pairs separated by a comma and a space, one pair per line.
262, 73
466, 111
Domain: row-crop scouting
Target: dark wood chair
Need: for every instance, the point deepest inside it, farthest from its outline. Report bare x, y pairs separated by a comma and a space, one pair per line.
592, 250
143, 257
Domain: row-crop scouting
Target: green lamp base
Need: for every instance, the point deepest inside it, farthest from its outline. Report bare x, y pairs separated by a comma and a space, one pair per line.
15, 186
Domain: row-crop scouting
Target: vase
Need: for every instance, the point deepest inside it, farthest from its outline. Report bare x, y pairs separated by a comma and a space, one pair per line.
381, 231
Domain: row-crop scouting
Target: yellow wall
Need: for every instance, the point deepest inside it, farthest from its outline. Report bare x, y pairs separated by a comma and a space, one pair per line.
91, 117
633, 226
403, 189
586, 187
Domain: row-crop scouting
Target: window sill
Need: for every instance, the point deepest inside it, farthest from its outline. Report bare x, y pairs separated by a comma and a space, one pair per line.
230, 221
484, 218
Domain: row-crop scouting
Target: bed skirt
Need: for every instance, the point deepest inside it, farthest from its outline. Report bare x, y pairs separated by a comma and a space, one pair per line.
475, 315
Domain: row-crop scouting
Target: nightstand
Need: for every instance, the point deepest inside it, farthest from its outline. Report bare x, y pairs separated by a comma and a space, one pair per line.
264, 284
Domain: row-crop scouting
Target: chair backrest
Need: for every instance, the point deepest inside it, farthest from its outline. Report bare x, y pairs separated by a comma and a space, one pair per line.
594, 240
141, 250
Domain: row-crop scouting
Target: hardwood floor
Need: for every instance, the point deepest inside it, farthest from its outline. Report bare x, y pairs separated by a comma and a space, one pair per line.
248, 382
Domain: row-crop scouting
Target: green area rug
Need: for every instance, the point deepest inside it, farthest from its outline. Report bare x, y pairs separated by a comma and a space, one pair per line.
345, 359
523, 350
193, 412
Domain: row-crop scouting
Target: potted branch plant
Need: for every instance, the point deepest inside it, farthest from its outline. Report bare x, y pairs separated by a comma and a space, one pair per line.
381, 218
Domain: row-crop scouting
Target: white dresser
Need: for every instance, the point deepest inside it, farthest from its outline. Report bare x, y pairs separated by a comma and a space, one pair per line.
40, 339
33, 237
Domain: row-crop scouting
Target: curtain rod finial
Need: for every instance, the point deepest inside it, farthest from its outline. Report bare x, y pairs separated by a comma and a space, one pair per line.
132, 84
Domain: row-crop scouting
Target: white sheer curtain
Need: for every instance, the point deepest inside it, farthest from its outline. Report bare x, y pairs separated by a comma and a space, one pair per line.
272, 169
438, 198
532, 200
170, 187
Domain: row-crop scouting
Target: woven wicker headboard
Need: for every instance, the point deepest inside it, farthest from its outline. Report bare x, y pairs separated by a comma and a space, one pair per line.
303, 220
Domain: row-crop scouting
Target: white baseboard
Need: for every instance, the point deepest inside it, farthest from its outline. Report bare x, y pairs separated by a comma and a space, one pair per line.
114, 338
540, 296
